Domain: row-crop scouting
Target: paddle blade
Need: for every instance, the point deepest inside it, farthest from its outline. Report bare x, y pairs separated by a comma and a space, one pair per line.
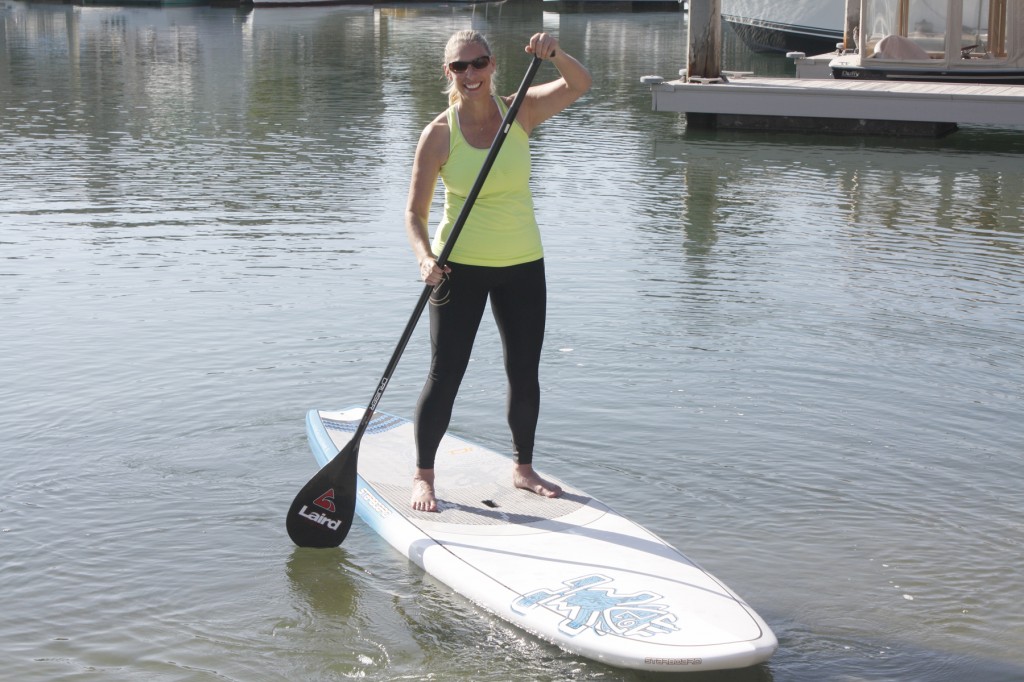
322, 512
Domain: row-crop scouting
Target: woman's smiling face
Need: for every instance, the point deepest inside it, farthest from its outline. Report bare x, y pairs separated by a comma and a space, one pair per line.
473, 79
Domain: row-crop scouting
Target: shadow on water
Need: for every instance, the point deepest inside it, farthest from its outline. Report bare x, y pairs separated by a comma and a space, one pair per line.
970, 183
323, 581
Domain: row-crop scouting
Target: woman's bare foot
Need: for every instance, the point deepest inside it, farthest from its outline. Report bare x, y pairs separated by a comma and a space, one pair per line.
523, 476
423, 498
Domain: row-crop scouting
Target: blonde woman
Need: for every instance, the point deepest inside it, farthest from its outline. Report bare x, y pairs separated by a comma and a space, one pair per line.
498, 256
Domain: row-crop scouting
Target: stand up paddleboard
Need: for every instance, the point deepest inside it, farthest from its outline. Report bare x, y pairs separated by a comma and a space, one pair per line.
569, 570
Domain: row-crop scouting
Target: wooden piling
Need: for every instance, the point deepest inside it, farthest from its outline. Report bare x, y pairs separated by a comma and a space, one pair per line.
704, 40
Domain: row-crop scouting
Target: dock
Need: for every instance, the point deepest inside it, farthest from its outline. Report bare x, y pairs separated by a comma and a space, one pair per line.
838, 106
927, 105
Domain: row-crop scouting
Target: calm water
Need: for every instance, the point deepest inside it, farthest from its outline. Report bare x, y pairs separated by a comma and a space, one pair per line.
797, 358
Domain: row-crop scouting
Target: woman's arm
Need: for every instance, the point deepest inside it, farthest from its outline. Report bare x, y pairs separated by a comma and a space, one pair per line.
544, 101
431, 153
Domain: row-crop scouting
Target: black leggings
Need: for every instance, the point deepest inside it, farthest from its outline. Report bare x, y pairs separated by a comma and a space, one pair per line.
518, 295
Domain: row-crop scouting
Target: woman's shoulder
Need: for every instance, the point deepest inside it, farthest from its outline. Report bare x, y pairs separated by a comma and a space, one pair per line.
440, 122
436, 136
439, 126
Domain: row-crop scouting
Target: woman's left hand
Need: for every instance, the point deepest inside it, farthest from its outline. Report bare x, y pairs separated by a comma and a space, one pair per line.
543, 45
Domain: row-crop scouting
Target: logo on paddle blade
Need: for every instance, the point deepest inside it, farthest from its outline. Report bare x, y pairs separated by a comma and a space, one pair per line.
318, 518
326, 501
584, 605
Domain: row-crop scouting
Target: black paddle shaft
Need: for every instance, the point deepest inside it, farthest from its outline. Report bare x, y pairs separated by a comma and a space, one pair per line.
322, 512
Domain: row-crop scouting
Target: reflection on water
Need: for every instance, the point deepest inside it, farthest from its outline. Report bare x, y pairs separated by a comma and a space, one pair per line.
796, 358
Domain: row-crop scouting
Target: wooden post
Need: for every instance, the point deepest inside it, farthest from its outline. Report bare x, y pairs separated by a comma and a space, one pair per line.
704, 40
851, 26
997, 29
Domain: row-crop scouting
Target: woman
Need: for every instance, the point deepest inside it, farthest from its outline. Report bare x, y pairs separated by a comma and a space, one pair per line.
498, 254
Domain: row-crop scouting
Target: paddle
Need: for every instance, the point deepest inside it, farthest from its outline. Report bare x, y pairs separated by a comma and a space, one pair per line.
322, 512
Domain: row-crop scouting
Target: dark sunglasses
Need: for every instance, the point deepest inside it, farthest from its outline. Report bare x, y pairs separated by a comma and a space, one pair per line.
478, 63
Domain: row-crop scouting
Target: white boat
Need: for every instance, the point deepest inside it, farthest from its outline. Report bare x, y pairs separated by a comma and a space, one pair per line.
809, 26
968, 41
570, 6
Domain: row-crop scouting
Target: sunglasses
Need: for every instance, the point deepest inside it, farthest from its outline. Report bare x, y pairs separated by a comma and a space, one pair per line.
478, 63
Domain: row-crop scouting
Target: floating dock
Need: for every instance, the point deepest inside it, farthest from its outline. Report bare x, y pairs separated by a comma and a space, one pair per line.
838, 106
714, 98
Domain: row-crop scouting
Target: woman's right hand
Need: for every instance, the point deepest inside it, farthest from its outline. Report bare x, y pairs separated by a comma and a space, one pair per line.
430, 273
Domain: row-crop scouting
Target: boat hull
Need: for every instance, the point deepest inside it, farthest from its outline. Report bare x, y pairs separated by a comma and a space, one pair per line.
996, 77
764, 37
810, 26
571, 6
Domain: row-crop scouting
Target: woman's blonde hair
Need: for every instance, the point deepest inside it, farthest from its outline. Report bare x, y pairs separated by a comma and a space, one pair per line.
458, 39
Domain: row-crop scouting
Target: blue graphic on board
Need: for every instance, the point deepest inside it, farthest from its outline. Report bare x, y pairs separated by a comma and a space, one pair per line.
586, 605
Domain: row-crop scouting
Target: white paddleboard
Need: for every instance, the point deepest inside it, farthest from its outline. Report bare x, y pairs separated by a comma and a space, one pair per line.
569, 570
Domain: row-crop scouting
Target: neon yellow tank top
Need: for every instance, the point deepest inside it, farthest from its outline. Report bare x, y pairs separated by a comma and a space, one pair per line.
501, 229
